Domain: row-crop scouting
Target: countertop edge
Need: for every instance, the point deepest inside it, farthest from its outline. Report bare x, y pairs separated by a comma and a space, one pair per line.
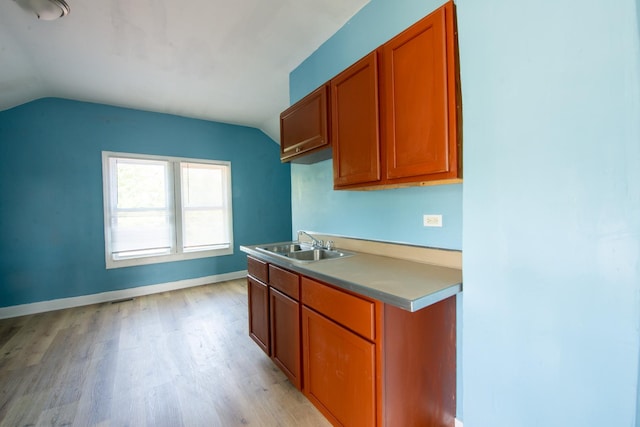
405, 304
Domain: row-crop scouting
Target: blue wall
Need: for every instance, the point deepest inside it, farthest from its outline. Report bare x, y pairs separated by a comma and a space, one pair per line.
552, 160
550, 206
51, 211
389, 215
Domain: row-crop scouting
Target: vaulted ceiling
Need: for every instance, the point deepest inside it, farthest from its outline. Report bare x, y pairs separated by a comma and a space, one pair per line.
226, 61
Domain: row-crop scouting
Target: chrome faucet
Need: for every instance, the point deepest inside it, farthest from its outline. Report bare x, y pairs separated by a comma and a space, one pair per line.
316, 243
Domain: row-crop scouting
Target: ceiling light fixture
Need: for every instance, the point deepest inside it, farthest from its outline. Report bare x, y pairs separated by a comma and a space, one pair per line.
47, 10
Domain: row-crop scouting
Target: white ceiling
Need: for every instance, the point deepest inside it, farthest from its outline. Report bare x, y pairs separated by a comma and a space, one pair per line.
226, 61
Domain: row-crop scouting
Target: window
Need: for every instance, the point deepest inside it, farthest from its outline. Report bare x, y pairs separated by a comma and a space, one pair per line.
160, 209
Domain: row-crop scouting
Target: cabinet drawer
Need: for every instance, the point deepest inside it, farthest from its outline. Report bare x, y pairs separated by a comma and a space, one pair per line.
284, 281
258, 269
349, 310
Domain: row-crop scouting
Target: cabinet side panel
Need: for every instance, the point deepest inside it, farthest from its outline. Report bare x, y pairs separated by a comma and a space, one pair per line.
420, 365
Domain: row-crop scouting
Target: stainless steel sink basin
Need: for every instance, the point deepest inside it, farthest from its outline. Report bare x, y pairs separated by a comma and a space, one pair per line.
317, 255
286, 248
302, 252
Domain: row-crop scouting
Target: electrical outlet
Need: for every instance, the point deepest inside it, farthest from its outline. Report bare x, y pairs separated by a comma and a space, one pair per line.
432, 220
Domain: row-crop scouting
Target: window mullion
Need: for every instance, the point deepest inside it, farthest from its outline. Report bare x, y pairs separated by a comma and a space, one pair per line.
177, 206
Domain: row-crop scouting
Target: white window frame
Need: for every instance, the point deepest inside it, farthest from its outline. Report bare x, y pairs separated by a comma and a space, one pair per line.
175, 184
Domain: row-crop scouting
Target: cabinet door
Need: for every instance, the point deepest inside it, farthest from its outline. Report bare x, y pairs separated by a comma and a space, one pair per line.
304, 128
285, 335
339, 371
354, 124
259, 313
418, 103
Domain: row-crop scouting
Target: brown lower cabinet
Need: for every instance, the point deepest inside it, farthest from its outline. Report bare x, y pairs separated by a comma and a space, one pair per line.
339, 370
258, 313
360, 361
285, 335
274, 316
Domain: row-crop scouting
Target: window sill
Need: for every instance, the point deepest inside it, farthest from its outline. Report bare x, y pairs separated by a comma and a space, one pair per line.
132, 262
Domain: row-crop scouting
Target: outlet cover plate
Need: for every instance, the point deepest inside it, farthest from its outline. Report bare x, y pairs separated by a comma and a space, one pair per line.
432, 220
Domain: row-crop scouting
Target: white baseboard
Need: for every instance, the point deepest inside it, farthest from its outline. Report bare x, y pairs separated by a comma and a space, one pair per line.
62, 303
458, 423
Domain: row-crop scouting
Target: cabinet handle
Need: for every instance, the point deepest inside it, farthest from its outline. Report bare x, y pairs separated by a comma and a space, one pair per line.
297, 149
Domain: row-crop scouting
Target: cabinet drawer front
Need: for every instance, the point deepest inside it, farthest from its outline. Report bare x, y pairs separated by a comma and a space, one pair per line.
258, 269
284, 281
350, 311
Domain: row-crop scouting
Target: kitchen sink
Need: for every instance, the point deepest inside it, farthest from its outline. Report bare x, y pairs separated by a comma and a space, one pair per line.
302, 252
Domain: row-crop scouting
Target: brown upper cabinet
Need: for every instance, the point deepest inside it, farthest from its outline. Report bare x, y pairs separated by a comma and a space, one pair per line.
394, 114
355, 123
304, 129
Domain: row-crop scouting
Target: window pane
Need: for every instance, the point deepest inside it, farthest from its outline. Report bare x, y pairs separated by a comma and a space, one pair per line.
204, 210
141, 184
141, 233
204, 228
202, 185
141, 217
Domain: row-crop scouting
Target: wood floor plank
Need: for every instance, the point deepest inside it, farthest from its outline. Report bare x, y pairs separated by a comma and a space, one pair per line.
58, 416
179, 358
94, 405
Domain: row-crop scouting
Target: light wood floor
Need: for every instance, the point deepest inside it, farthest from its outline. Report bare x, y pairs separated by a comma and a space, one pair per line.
179, 358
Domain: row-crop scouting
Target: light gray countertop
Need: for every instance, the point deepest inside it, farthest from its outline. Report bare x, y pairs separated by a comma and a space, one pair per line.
409, 285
